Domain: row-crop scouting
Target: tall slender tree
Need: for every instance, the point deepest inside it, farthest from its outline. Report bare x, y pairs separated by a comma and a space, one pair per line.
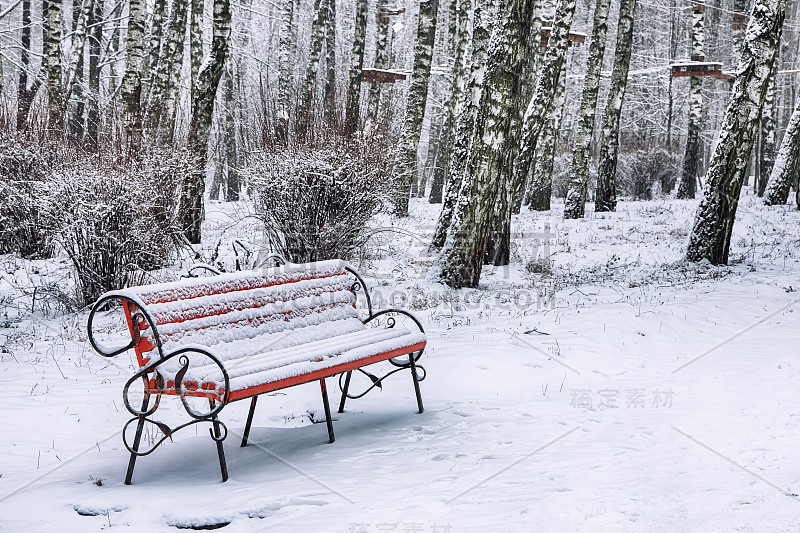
80, 15
286, 54
195, 42
95, 50
329, 83
132, 79
575, 203
352, 107
155, 34
383, 47
787, 164
415, 105
768, 136
315, 50
25, 94
191, 201
713, 225
606, 191
54, 87
693, 154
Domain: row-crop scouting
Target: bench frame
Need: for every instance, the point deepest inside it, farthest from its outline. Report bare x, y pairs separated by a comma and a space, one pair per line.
154, 387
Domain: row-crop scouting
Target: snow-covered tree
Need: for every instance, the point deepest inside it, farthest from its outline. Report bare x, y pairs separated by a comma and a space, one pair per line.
352, 108
54, 88
286, 53
787, 163
711, 235
132, 80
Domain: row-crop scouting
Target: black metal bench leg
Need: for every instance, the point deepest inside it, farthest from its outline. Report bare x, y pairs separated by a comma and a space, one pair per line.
136, 440
328, 417
246, 434
220, 450
344, 391
413, 365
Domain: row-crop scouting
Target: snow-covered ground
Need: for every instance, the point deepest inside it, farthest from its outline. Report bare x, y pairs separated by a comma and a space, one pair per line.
609, 388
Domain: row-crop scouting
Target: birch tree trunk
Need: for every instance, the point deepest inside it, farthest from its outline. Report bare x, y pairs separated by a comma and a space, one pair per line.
493, 148
382, 48
352, 107
95, 41
711, 235
55, 93
455, 99
541, 182
195, 43
457, 184
315, 50
25, 94
541, 102
191, 202
285, 71
132, 79
769, 119
606, 192
161, 108
693, 153
737, 35
415, 105
787, 164
575, 203
329, 85
80, 16
154, 38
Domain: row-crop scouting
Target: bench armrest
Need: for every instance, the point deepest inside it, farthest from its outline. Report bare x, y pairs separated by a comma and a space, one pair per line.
138, 319
390, 323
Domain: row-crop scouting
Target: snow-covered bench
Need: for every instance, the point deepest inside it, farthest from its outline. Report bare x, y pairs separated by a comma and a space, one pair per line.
234, 336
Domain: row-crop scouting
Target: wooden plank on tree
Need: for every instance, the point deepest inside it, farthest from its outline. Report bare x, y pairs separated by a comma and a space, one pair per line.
376, 75
573, 36
698, 68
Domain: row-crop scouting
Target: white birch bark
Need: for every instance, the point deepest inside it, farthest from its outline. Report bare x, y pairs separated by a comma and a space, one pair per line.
383, 35
787, 163
286, 52
329, 84
132, 79
352, 107
55, 93
575, 203
711, 235
315, 50
693, 152
768, 137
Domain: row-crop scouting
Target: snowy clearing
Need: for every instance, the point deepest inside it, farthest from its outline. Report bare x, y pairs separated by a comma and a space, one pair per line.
615, 389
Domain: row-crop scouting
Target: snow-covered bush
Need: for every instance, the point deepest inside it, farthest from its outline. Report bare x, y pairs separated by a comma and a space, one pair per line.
115, 220
638, 170
316, 202
21, 177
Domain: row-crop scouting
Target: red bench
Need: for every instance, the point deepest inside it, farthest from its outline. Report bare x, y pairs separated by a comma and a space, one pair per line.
235, 336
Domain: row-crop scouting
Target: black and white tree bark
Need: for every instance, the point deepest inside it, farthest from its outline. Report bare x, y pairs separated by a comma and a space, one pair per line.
54, 83
155, 35
541, 103
540, 186
25, 93
737, 33
95, 42
606, 191
693, 153
329, 82
305, 111
415, 105
456, 176
383, 47
493, 149
353, 104
455, 99
195, 42
711, 235
575, 203
163, 103
193, 188
132, 79
80, 17
787, 163
286, 53
768, 136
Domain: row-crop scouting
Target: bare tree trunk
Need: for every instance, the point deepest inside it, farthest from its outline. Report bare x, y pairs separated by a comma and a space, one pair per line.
456, 97
456, 177
673, 49
493, 149
315, 50
95, 41
693, 153
162, 107
711, 236
54, 88
132, 79
415, 106
540, 104
24, 94
356, 68
154, 37
575, 204
191, 202
80, 17
737, 35
540, 188
383, 34
606, 193
769, 119
195, 43
285, 71
787, 164
329, 84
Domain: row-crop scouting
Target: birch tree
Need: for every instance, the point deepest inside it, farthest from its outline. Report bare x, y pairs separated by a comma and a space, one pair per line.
155, 35
132, 79
693, 153
329, 83
768, 137
286, 49
456, 177
195, 42
383, 46
415, 105
80, 17
575, 203
540, 187
493, 148
193, 188
95, 42
541, 102
787, 163
606, 191
25, 94
54, 89
315, 51
711, 235
356, 68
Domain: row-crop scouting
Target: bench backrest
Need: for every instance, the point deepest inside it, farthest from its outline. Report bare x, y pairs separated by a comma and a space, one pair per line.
282, 306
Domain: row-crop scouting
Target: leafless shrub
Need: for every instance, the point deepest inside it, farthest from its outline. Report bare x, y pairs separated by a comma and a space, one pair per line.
316, 201
638, 170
